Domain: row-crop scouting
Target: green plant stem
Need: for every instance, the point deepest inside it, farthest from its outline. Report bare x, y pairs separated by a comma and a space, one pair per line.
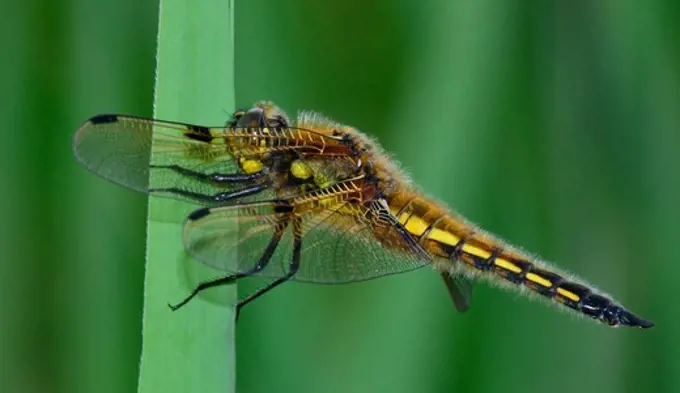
192, 349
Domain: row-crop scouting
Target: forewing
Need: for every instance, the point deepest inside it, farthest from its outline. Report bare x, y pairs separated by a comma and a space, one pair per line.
341, 241
118, 148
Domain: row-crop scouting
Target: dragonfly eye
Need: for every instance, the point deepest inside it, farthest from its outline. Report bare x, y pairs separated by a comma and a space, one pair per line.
255, 117
278, 122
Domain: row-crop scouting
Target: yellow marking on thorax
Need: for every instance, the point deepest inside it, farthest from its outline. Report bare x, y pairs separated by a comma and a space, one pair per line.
251, 166
568, 294
417, 227
507, 265
538, 280
300, 170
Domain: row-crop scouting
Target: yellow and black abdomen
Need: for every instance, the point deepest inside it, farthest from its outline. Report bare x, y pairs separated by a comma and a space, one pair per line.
544, 281
459, 247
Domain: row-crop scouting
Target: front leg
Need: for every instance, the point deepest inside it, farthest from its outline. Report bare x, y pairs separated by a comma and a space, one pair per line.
259, 266
293, 268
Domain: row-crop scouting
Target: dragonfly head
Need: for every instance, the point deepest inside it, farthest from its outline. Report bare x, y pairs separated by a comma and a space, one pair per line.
263, 114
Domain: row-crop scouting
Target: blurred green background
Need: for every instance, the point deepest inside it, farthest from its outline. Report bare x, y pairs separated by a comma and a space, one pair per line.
553, 124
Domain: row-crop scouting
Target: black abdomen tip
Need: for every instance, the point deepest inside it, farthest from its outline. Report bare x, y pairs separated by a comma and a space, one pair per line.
628, 319
618, 316
645, 324
103, 119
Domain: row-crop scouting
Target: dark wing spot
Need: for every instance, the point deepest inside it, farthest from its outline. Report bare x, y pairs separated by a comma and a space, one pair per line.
283, 207
103, 119
198, 214
199, 133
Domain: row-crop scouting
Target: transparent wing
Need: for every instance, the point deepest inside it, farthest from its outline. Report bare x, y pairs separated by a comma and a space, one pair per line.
118, 148
341, 242
460, 290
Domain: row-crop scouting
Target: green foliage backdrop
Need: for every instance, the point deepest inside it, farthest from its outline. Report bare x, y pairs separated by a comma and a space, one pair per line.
553, 124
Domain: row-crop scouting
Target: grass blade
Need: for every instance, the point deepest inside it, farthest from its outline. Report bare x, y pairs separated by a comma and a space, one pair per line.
190, 350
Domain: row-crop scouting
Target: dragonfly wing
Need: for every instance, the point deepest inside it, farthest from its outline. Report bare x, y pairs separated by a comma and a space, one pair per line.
352, 243
234, 238
118, 148
115, 151
341, 241
460, 290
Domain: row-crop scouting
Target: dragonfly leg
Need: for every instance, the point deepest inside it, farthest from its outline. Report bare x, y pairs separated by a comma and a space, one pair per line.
294, 265
261, 264
213, 177
219, 197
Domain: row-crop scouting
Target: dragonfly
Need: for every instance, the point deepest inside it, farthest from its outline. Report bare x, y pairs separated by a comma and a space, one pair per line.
313, 200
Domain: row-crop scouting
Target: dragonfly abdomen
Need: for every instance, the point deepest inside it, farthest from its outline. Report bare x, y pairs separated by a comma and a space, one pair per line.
556, 286
459, 246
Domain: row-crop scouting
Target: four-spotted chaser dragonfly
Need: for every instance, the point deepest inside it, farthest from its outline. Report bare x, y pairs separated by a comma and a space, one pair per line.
313, 201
